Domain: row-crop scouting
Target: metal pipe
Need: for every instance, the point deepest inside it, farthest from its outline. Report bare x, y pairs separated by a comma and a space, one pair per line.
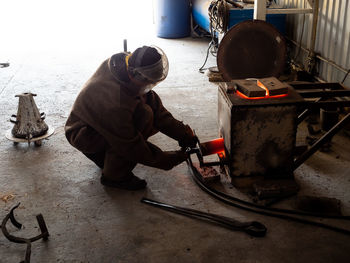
324, 93
260, 10
326, 137
318, 86
125, 45
314, 26
328, 61
289, 11
303, 116
321, 104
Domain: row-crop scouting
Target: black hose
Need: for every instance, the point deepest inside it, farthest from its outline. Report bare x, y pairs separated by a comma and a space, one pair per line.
272, 209
201, 69
224, 198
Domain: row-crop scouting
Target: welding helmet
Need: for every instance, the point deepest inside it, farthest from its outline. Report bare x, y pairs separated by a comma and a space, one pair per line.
147, 66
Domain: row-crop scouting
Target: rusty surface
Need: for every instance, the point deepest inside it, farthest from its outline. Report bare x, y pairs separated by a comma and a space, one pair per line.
275, 188
249, 88
259, 135
212, 147
232, 98
208, 174
251, 49
273, 85
29, 121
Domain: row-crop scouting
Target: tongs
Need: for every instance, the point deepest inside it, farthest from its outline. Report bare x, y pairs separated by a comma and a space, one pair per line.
252, 228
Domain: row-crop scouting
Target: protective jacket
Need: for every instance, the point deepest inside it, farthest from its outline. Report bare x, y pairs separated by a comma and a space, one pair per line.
106, 113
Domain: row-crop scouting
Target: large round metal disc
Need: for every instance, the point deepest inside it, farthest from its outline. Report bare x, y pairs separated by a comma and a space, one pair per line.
10, 137
251, 49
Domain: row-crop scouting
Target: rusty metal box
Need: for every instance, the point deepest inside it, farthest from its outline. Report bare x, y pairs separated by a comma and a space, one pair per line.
259, 134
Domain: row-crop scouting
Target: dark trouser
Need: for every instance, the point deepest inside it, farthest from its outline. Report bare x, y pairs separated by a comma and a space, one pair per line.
97, 158
114, 166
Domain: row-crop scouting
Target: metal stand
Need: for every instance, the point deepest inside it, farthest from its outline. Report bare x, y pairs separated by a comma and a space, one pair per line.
322, 95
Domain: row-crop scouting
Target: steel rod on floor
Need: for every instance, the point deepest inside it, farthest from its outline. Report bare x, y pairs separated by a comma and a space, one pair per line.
252, 228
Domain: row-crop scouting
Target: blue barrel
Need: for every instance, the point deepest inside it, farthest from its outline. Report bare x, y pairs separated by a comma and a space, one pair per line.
200, 13
172, 18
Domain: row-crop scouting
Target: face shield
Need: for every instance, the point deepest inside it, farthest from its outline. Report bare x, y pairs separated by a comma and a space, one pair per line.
150, 75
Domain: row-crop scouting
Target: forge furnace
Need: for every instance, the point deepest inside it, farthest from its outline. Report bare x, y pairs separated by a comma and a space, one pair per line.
259, 133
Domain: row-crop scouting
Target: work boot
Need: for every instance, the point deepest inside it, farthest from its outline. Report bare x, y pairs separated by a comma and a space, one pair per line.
132, 182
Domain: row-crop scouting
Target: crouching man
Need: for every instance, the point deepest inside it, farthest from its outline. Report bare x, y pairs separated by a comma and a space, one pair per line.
117, 111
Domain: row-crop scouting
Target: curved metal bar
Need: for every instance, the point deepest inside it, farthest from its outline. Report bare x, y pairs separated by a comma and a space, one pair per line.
44, 232
13, 219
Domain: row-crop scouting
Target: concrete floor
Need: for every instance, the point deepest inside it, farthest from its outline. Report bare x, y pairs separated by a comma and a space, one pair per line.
91, 223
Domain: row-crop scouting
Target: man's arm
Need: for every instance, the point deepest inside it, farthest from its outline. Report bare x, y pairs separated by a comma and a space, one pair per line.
167, 124
121, 134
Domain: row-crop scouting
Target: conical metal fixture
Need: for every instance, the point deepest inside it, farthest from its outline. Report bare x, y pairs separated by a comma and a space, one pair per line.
29, 121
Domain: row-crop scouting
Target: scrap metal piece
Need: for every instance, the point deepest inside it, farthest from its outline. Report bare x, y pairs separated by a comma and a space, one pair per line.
44, 232
29, 122
216, 146
275, 188
36, 140
208, 174
251, 49
252, 228
214, 74
273, 86
249, 88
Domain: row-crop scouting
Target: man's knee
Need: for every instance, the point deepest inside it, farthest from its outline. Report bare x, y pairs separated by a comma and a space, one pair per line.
115, 166
86, 140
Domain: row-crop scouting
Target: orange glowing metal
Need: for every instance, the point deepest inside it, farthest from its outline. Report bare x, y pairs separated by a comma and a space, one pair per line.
219, 144
240, 94
267, 94
263, 87
216, 146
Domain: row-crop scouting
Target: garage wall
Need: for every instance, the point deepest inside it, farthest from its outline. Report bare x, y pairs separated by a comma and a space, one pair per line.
332, 39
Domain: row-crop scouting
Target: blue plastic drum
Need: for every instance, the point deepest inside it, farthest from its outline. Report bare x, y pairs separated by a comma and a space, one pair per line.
172, 18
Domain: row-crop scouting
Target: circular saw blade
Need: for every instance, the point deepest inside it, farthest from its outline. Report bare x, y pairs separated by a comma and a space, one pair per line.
251, 49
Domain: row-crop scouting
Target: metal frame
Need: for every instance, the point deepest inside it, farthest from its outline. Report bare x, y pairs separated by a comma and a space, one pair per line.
260, 10
324, 95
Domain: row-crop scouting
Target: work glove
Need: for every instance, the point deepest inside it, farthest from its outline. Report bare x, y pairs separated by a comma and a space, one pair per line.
189, 140
172, 159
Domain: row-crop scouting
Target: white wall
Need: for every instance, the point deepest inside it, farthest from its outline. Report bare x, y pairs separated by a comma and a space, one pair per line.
333, 35
71, 24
